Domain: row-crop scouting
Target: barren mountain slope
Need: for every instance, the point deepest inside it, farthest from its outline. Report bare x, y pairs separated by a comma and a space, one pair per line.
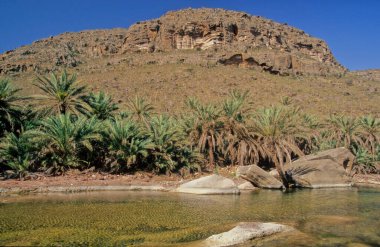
204, 53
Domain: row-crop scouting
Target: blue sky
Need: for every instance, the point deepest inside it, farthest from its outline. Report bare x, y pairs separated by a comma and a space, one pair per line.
350, 27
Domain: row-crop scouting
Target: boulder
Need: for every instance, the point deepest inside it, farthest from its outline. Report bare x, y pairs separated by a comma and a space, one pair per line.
341, 155
274, 173
245, 232
242, 170
318, 173
247, 186
260, 178
209, 185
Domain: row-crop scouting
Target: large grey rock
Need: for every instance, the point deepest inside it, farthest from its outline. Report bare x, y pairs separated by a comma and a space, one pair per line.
318, 173
245, 232
341, 155
242, 170
209, 185
260, 178
247, 186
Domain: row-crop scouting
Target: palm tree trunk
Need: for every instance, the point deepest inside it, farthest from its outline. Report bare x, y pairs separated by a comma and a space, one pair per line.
210, 152
62, 109
279, 164
282, 175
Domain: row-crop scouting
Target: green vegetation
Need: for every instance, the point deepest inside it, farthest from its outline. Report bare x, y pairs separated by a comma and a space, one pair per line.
61, 93
73, 128
9, 111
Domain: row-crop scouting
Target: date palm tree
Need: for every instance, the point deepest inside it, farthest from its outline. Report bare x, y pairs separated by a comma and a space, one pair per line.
18, 152
240, 145
128, 145
313, 126
171, 151
9, 110
237, 106
369, 132
100, 106
344, 130
206, 132
67, 138
278, 133
165, 137
140, 110
62, 94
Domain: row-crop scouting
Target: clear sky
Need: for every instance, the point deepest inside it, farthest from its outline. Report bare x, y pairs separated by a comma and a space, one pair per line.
350, 27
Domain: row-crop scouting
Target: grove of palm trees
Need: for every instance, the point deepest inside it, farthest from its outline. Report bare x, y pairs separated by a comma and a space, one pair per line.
67, 127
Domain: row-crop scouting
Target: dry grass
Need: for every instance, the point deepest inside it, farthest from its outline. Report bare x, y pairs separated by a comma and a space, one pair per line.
167, 84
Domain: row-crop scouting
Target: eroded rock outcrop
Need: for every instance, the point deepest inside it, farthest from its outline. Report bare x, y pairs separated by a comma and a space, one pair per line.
237, 38
340, 155
216, 35
318, 173
258, 177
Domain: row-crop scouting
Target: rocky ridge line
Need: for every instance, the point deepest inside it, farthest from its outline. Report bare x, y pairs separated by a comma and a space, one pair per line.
214, 35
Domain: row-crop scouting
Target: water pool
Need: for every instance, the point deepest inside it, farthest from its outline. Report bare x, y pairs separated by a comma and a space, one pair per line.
325, 217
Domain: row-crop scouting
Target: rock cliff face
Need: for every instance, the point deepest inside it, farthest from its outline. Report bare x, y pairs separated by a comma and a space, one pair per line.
218, 36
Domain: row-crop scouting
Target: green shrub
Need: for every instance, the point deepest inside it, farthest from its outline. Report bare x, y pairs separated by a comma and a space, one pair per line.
364, 161
64, 139
170, 152
18, 152
99, 106
127, 143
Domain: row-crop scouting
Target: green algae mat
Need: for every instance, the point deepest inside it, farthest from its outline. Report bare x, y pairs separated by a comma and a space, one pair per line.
334, 217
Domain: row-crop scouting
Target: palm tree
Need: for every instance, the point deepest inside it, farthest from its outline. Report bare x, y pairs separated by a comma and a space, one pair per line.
364, 161
61, 93
67, 139
369, 131
171, 150
344, 130
278, 133
18, 152
100, 106
127, 144
206, 131
236, 106
313, 126
140, 110
165, 136
240, 146
9, 111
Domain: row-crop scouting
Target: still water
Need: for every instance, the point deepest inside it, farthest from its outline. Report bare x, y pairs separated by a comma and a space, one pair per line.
325, 217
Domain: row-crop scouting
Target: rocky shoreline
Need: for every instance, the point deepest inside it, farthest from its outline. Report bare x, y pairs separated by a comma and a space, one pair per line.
327, 169
12, 186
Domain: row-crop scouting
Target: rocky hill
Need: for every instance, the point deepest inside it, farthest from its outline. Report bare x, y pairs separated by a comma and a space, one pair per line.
203, 53
227, 37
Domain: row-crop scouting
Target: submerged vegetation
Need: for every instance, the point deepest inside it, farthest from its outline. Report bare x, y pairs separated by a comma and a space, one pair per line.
67, 127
